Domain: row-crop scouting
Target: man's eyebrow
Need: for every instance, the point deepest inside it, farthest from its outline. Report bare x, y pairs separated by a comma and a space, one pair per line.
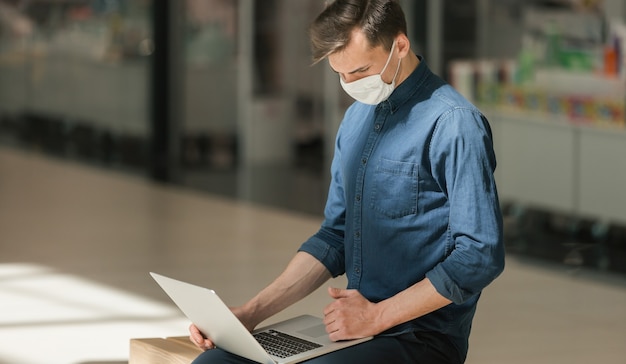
360, 69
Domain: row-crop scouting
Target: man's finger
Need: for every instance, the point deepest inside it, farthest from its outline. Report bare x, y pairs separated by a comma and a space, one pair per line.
337, 292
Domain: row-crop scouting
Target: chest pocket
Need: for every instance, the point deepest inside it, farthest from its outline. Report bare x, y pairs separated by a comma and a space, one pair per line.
394, 188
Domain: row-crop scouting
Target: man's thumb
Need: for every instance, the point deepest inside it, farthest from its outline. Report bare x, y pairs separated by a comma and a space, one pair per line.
335, 292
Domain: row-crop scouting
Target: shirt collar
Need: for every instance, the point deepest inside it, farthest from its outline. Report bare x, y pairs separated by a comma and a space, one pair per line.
411, 87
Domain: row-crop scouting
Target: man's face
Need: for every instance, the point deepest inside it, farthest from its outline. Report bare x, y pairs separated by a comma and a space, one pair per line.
359, 60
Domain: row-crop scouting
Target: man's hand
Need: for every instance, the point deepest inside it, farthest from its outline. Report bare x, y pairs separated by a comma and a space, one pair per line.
205, 343
198, 338
350, 316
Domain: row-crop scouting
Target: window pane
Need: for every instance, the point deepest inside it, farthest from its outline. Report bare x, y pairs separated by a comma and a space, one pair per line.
74, 77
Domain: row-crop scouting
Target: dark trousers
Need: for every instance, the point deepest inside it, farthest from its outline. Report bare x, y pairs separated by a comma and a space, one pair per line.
418, 348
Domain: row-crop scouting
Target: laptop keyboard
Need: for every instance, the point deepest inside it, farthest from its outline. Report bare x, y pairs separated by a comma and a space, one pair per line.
282, 345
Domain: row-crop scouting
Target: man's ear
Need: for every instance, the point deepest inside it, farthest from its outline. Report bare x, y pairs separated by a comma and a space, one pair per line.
403, 44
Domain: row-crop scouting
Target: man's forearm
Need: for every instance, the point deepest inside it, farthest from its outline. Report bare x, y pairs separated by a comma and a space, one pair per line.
416, 301
303, 275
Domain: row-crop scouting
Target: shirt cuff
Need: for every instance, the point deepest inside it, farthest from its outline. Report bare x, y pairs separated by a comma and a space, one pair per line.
446, 286
326, 254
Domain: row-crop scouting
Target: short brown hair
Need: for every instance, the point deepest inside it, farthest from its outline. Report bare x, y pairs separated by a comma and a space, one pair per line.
379, 20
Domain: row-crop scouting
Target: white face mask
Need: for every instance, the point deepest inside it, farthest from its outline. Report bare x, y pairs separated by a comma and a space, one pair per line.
372, 90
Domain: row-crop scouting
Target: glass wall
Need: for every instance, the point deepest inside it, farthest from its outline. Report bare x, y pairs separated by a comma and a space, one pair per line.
253, 106
74, 78
209, 42
246, 112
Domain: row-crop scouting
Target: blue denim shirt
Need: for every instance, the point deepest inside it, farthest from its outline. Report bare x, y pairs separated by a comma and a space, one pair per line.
413, 195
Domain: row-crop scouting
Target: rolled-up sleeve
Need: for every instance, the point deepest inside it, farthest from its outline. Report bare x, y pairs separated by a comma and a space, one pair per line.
463, 162
327, 247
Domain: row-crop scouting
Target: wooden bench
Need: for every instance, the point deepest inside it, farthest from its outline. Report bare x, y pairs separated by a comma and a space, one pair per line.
171, 350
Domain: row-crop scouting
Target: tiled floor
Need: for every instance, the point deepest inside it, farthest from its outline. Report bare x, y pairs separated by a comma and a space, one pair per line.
76, 244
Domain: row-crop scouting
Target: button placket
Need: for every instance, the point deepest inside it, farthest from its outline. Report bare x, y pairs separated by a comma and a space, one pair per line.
358, 196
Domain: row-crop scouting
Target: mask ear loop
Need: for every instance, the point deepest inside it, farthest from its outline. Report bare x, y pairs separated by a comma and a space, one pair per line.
397, 71
393, 46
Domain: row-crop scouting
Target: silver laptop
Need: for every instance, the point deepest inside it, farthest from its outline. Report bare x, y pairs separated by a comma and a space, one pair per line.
291, 341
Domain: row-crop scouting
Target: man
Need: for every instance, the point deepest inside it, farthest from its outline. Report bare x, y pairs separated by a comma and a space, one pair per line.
412, 216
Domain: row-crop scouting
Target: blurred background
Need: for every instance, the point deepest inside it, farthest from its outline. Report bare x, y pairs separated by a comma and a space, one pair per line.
219, 97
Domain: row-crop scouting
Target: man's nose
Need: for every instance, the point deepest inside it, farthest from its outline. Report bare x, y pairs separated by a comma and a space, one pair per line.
347, 78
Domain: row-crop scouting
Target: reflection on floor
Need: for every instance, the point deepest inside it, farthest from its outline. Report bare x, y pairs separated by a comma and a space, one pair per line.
51, 316
280, 186
77, 243
577, 243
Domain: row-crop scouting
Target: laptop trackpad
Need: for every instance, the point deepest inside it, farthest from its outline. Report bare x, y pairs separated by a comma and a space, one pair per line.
314, 331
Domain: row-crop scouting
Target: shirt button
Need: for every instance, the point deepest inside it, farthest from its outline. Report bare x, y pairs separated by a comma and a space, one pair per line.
357, 234
377, 127
358, 198
364, 161
357, 270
